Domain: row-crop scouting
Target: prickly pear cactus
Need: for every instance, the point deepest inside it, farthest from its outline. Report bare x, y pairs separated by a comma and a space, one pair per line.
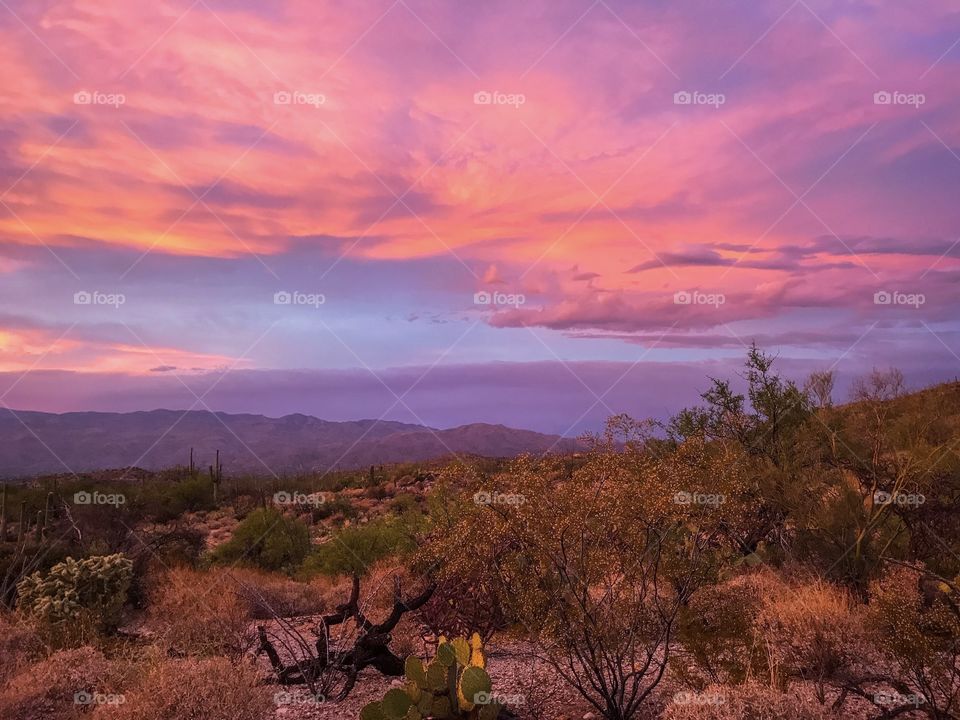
95, 587
453, 685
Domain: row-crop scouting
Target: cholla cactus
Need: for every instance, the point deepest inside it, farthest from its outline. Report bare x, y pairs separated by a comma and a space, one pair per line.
95, 588
455, 684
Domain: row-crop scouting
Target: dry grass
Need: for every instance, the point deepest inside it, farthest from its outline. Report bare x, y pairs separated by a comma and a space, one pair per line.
750, 701
49, 689
811, 630
20, 644
193, 689
793, 633
199, 613
267, 594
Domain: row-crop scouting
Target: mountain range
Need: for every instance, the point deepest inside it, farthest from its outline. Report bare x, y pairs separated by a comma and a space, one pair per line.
33, 443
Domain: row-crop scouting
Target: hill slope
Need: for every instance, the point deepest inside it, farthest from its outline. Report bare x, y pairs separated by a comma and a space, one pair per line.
33, 442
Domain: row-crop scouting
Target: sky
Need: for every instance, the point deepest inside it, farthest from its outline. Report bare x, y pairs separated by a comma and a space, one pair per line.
536, 214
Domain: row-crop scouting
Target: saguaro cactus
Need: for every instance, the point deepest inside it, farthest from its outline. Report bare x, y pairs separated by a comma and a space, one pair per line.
216, 476
3, 514
47, 513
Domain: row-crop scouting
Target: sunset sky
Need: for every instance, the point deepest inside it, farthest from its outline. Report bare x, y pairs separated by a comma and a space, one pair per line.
640, 189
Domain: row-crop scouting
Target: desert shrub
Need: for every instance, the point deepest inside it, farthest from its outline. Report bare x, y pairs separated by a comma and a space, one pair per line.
750, 701
167, 501
404, 503
826, 535
77, 593
159, 550
462, 606
764, 431
201, 688
60, 687
377, 492
243, 505
894, 456
266, 539
595, 562
267, 595
813, 631
179, 545
763, 627
917, 625
334, 505
354, 549
716, 632
20, 644
199, 613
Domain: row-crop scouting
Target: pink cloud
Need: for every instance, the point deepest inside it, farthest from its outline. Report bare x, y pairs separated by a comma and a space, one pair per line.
357, 131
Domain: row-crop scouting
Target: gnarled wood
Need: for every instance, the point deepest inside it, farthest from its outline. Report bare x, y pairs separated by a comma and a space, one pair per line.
338, 669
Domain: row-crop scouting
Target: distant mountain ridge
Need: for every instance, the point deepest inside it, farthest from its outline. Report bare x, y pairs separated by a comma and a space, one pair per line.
34, 443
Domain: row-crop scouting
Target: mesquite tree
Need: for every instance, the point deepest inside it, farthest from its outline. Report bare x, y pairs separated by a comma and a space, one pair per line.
595, 558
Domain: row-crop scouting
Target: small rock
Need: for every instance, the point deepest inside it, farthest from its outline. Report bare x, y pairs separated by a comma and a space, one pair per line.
589, 716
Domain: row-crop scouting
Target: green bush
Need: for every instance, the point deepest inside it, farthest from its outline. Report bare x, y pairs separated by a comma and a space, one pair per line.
404, 503
716, 630
93, 589
164, 502
266, 539
353, 550
334, 505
